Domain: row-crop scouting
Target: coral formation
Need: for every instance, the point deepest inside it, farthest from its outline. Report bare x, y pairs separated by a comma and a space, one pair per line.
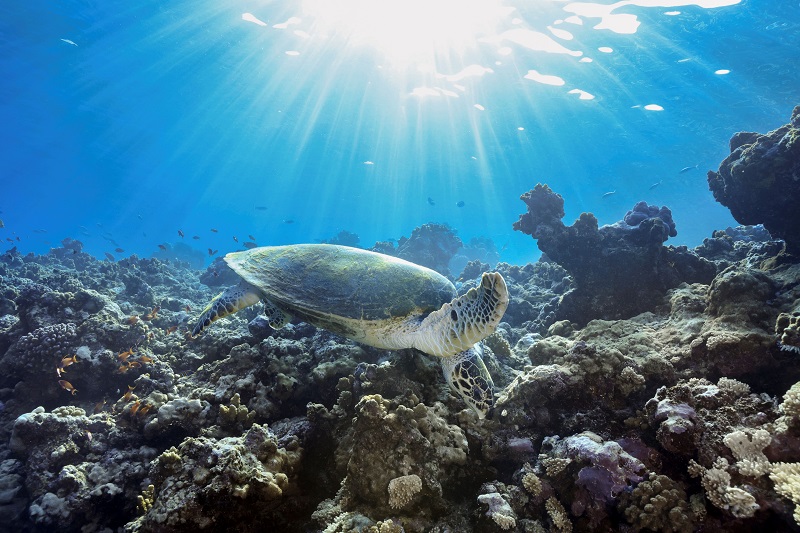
619, 270
759, 180
672, 406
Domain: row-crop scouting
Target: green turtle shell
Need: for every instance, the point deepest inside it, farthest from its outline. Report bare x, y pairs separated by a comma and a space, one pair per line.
328, 284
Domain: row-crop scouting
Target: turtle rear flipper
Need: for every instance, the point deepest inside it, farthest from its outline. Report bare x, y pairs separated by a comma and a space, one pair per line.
227, 302
467, 375
468, 319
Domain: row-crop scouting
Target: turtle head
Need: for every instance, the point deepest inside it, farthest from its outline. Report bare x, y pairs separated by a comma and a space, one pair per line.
467, 375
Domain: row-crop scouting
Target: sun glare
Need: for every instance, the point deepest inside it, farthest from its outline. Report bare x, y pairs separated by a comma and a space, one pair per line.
409, 32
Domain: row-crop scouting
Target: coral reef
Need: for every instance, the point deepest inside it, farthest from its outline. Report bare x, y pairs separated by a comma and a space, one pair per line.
619, 270
430, 245
760, 180
679, 412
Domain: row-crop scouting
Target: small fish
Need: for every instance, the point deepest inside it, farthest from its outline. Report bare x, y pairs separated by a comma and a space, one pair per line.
73, 43
261, 208
146, 359
606, 195
187, 309
250, 245
214, 230
251, 237
2, 225
132, 320
212, 252
196, 237
128, 394
152, 314
180, 234
288, 221
461, 203
162, 247
69, 360
67, 386
40, 231
134, 364
171, 329
9, 239
135, 407
684, 170
235, 239
89, 435
98, 407
144, 409
121, 369
139, 217
123, 356
119, 250
430, 201
653, 186
109, 257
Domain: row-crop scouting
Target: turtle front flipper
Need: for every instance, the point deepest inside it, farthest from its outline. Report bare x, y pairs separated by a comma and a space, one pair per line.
467, 375
468, 319
226, 303
276, 317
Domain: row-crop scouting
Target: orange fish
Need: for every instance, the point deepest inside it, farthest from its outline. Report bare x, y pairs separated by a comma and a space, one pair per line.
66, 385
180, 234
121, 369
144, 409
133, 320
98, 407
171, 329
124, 355
128, 393
134, 408
152, 314
65, 362
134, 364
145, 359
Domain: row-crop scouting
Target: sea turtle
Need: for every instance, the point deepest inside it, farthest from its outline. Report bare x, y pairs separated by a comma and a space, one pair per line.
375, 299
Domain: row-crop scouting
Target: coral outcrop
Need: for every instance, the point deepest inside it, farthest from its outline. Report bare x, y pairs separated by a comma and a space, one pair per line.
678, 412
619, 270
760, 181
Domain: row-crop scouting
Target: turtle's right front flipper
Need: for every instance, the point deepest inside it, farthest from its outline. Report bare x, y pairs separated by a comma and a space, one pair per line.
226, 303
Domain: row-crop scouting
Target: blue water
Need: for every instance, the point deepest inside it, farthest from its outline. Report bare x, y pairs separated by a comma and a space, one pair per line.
124, 122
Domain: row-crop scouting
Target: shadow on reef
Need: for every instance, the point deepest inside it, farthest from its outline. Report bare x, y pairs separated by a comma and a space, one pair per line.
641, 387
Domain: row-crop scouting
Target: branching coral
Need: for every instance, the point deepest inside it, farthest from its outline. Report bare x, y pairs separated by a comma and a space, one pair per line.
786, 477
717, 484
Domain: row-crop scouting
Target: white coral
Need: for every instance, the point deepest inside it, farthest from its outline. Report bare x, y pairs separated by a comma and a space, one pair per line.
499, 510
786, 477
716, 482
747, 446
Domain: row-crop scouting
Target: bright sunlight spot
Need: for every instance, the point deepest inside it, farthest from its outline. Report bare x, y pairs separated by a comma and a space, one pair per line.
409, 32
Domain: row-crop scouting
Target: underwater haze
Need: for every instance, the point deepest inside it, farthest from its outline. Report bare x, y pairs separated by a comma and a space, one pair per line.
123, 123
583, 314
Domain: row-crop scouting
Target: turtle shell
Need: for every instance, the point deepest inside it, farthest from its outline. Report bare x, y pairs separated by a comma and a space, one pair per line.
331, 281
